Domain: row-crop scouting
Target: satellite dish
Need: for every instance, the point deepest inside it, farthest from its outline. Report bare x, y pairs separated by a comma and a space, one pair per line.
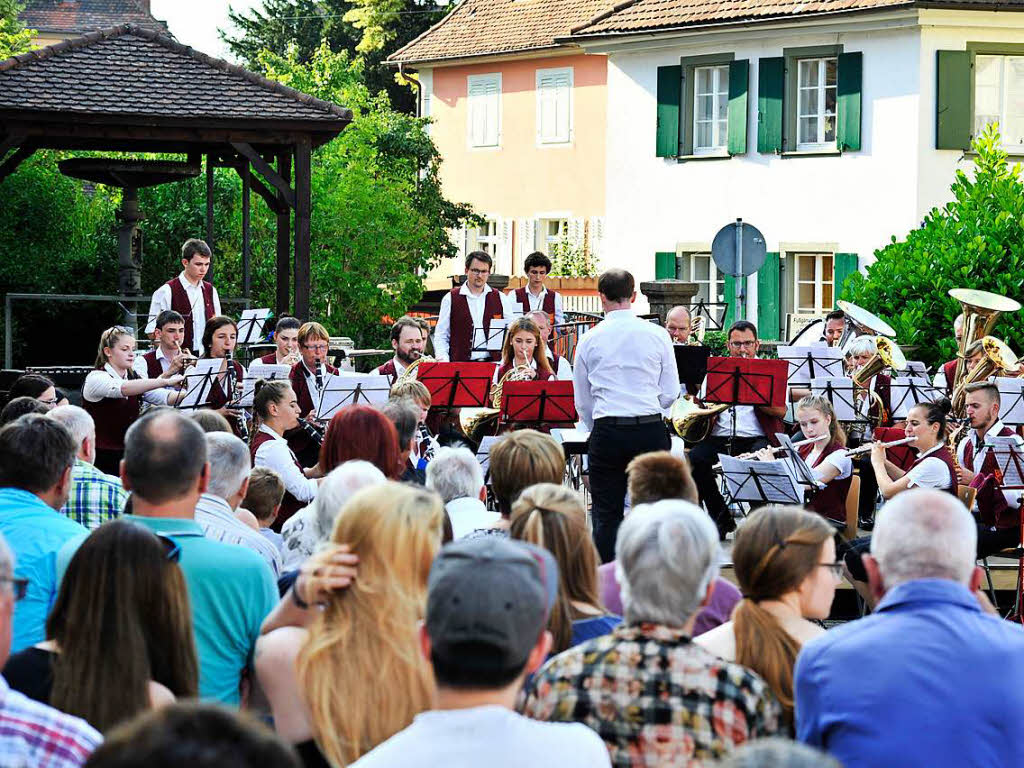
739, 249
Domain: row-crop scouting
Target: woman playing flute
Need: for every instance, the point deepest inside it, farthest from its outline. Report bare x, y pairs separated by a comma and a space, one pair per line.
934, 466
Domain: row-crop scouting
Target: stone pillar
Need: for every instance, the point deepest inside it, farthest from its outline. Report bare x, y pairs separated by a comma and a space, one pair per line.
662, 295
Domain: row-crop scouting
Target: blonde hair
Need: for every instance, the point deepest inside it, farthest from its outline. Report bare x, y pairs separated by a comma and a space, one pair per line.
552, 516
108, 339
310, 331
413, 390
540, 351
362, 648
836, 433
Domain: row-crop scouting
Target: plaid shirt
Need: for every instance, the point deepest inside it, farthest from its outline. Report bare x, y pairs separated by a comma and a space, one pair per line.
95, 497
655, 697
33, 734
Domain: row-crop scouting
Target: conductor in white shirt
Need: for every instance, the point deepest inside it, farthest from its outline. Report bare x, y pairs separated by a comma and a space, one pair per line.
625, 375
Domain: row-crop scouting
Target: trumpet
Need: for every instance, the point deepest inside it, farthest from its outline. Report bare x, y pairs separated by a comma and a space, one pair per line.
866, 448
780, 451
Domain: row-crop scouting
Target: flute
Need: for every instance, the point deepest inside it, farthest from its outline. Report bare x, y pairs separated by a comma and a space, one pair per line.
866, 448
808, 441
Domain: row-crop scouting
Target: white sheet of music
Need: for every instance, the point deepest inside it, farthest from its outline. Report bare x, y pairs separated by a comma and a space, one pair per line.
199, 380
483, 453
251, 324
257, 371
1011, 400
841, 388
908, 391
351, 389
811, 362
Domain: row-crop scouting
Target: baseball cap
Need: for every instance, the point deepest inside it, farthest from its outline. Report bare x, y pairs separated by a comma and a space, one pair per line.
490, 591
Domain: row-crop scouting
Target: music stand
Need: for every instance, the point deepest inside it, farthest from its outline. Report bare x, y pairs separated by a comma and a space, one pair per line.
257, 371
490, 340
252, 324
917, 369
908, 391
457, 385
692, 364
1011, 401
759, 482
811, 362
199, 381
746, 381
800, 469
1009, 460
703, 309
339, 391
838, 390
538, 402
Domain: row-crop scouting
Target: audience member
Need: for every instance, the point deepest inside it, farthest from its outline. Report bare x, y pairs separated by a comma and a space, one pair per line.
230, 588
355, 676
210, 421
123, 590
785, 564
312, 525
193, 735
263, 499
33, 734
361, 432
39, 387
705, 707
229, 481
487, 606
928, 678
20, 406
36, 459
521, 459
776, 752
417, 392
405, 415
553, 517
456, 475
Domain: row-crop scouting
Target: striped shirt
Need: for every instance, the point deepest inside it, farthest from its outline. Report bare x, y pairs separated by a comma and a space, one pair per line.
40, 736
218, 522
95, 497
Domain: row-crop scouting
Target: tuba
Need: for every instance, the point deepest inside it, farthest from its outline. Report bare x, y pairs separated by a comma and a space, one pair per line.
998, 358
690, 420
887, 355
860, 322
981, 310
473, 422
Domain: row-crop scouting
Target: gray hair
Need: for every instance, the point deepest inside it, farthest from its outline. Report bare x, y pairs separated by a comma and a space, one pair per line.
667, 554
924, 534
862, 345
230, 463
6, 558
776, 752
338, 487
679, 308
540, 314
77, 421
405, 415
455, 474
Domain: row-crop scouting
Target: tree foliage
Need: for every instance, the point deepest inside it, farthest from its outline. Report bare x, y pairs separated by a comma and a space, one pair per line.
974, 241
14, 38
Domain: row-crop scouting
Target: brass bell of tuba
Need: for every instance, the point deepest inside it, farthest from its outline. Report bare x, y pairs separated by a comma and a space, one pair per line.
887, 355
981, 310
998, 358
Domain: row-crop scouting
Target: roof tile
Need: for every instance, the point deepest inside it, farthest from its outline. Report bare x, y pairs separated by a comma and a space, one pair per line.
78, 16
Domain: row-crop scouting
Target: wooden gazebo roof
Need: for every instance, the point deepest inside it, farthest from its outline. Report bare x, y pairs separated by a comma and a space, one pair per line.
134, 89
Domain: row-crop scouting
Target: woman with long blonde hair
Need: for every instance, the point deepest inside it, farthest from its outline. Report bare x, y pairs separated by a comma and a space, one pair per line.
335, 682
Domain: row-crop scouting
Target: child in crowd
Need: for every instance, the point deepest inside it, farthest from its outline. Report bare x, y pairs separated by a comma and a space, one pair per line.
263, 499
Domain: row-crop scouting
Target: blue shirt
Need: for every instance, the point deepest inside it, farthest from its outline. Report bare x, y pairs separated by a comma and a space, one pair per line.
34, 532
231, 590
588, 629
926, 680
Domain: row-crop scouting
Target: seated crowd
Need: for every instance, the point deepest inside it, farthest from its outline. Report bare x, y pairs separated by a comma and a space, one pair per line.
215, 604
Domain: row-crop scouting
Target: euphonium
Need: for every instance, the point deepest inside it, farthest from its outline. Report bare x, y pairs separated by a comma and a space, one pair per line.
998, 357
697, 330
472, 421
690, 420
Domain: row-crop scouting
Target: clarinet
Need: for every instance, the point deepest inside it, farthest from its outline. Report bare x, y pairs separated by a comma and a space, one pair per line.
239, 412
315, 431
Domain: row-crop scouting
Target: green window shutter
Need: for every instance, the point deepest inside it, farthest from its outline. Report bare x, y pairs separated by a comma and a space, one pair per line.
844, 265
953, 100
739, 75
730, 299
771, 82
848, 107
768, 315
670, 94
665, 265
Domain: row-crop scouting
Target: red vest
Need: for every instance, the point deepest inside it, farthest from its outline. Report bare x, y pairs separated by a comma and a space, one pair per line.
547, 306
949, 370
883, 388
988, 465
113, 416
946, 458
388, 369
289, 504
830, 501
153, 368
217, 397
460, 329
270, 359
181, 305
298, 439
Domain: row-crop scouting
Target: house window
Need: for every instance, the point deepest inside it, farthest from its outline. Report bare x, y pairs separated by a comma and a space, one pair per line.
554, 106
484, 127
549, 232
999, 97
701, 269
484, 238
816, 103
710, 109
813, 275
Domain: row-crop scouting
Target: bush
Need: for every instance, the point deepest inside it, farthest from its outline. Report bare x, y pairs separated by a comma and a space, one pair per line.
974, 241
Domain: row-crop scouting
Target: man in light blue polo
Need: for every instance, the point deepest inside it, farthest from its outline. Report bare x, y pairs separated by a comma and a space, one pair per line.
36, 459
230, 587
928, 679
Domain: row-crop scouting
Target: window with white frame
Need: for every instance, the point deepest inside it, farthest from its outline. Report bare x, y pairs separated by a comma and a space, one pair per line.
999, 97
549, 232
816, 102
701, 269
486, 238
710, 109
484, 96
813, 275
554, 106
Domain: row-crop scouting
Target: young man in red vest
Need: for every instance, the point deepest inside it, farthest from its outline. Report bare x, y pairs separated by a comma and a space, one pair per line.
535, 296
167, 354
308, 377
188, 294
407, 341
465, 311
286, 337
738, 429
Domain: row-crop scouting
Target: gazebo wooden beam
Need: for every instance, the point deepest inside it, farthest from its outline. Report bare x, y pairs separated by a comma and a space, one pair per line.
284, 239
303, 210
10, 165
261, 165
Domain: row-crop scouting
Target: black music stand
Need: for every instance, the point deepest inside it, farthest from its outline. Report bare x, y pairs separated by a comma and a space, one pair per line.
911, 391
692, 364
538, 402
703, 309
839, 391
199, 383
339, 391
457, 385
759, 482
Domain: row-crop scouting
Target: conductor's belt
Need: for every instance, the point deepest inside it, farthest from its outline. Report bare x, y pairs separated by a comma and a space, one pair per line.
624, 421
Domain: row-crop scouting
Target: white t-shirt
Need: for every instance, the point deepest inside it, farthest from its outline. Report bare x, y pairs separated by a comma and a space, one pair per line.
489, 736
840, 461
930, 473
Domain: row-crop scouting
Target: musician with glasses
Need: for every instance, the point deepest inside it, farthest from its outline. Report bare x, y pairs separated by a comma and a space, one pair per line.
535, 296
465, 311
738, 429
308, 378
39, 388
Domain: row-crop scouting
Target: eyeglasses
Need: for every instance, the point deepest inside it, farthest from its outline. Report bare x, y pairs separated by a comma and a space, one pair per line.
836, 569
316, 347
480, 271
18, 586
49, 401
743, 344
172, 547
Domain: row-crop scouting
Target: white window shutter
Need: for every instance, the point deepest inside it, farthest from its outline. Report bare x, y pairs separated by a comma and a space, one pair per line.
574, 235
596, 236
504, 255
527, 237
484, 95
554, 106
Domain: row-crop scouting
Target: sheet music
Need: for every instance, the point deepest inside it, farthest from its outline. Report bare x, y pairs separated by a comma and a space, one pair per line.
252, 324
916, 369
199, 379
1010, 460
908, 391
838, 390
257, 371
351, 389
483, 453
493, 339
575, 437
759, 481
1011, 401
799, 469
810, 362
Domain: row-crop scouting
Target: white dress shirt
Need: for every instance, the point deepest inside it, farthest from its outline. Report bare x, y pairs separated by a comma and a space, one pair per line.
563, 371
162, 300
624, 367
105, 382
468, 515
276, 455
443, 329
536, 303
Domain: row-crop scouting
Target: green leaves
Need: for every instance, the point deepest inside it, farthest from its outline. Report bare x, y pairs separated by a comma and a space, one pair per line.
14, 38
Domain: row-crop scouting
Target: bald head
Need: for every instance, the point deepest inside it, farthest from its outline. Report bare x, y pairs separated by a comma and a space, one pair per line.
678, 324
164, 454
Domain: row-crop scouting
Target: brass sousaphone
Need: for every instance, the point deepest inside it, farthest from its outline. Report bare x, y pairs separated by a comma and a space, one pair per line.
998, 358
860, 322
